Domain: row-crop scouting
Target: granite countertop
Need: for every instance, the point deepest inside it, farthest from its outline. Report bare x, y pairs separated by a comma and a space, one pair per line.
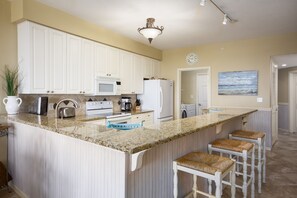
131, 141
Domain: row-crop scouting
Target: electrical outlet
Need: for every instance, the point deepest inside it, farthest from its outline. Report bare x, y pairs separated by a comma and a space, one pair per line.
51, 106
259, 99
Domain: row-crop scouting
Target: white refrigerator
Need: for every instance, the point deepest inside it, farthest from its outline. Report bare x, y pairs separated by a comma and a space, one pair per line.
158, 96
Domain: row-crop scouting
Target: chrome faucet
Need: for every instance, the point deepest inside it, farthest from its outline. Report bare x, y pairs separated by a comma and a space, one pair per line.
75, 104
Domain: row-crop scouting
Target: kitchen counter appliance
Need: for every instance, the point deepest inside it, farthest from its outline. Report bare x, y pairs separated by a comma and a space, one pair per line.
107, 86
39, 106
105, 109
126, 104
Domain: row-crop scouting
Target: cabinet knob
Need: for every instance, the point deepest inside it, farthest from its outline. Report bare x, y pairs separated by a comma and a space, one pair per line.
52, 91
83, 92
47, 91
80, 91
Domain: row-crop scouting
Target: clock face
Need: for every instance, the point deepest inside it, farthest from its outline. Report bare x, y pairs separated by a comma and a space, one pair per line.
192, 58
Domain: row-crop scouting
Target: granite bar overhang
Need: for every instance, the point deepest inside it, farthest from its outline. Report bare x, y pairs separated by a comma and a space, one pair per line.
130, 141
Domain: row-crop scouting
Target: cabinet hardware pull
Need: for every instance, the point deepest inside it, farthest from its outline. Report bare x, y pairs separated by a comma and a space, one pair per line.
52, 91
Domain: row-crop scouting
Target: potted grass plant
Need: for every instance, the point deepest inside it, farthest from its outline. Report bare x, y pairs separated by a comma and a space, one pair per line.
10, 86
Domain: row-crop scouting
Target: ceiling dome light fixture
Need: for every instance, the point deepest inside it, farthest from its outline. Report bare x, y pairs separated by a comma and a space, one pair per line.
202, 2
150, 31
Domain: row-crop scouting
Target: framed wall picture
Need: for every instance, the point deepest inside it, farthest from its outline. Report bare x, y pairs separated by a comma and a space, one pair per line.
238, 83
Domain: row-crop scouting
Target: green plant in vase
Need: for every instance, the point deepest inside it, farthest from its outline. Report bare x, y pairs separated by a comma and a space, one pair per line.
10, 86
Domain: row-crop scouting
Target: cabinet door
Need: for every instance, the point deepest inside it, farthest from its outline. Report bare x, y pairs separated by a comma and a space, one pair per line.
88, 62
113, 62
138, 71
39, 64
156, 68
74, 79
57, 61
100, 60
148, 67
126, 72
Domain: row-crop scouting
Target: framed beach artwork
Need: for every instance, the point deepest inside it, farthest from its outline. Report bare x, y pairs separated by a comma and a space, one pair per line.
238, 83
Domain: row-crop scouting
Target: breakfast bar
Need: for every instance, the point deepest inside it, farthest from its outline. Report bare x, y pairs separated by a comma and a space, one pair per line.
72, 158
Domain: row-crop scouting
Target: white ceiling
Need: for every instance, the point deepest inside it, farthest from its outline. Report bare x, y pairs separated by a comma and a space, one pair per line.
290, 60
185, 22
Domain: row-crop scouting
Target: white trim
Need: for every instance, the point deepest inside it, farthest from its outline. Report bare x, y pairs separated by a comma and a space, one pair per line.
178, 86
283, 103
20, 193
291, 101
258, 108
284, 130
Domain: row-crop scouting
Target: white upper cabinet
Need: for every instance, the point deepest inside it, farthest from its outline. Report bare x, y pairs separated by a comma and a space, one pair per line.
148, 67
88, 66
113, 62
57, 61
131, 72
33, 58
74, 73
156, 68
100, 60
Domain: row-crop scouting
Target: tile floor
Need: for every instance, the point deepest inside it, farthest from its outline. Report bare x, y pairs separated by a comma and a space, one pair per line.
281, 180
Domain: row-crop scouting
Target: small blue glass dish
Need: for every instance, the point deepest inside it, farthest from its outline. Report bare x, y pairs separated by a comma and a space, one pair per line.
124, 126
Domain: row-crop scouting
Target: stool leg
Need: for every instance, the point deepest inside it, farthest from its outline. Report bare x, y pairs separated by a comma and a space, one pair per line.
175, 188
237, 165
244, 186
233, 183
218, 181
259, 165
195, 186
209, 186
264, 160
253, 173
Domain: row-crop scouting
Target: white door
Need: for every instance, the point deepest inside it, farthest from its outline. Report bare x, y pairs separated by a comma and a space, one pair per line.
274, 103
57, 61
166, 98
74, 65
39, 64
202, 94
88, 62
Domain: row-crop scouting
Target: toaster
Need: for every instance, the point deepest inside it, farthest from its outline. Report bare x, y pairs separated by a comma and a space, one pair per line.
66, 112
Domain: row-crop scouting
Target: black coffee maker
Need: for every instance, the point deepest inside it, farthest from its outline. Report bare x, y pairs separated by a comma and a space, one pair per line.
126, 104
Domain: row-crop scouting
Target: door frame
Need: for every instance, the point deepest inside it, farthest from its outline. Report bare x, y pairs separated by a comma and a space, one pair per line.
292, 104
274, 100
178, 86
197, 91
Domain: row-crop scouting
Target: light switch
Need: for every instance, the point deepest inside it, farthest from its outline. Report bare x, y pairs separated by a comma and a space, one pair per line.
259, 99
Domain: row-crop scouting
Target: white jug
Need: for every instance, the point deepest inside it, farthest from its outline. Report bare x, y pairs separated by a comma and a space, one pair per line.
12, 104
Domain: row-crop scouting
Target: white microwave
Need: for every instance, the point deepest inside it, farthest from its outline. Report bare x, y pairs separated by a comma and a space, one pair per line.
105, 86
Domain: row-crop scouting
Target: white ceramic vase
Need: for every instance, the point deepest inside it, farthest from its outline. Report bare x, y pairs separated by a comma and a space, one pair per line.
12, 104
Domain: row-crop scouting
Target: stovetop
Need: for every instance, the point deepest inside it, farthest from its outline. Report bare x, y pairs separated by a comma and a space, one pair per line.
103, 109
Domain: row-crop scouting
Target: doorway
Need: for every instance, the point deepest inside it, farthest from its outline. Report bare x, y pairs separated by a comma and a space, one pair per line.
193, 88
292, 101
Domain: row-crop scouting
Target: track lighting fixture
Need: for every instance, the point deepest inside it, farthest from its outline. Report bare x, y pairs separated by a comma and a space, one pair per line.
202, 2
226, 16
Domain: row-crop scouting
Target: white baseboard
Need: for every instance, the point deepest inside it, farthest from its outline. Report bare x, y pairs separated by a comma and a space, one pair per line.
20, 193
284, 130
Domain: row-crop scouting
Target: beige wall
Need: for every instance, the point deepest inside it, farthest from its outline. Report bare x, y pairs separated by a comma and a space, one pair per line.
188, 87
40, 13
253, 54
8, 44
283, 84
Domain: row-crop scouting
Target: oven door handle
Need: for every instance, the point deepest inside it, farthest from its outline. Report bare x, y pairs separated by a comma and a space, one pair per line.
119, 119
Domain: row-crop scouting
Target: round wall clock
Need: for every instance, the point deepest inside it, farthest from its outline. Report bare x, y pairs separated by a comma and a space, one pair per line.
191, 58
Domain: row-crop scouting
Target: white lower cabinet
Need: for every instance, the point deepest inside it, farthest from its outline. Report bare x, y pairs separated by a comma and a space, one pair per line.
146, 118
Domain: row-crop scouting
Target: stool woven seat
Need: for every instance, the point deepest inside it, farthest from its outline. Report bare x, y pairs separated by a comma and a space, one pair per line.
248, 134
232, 145
205, 162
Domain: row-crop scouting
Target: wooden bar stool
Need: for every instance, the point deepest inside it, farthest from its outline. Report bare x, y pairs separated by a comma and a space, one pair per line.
212, 167
259, 139
242, 149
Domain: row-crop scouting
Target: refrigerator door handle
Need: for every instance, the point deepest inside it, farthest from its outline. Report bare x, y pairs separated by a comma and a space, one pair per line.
161, 100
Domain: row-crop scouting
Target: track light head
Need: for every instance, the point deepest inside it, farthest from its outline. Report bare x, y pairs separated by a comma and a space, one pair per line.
225, 19
202, 2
